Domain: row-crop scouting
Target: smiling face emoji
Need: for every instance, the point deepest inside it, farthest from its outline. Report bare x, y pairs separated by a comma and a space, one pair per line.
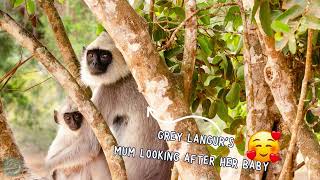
263, 147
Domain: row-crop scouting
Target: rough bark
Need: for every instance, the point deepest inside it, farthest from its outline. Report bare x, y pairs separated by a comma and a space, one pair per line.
261, 110
279, 79
69, 57
75, 92
287, 167
190, 47
162, 90
11, 160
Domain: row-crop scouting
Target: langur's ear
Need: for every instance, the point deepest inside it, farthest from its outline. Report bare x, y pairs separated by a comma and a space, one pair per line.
83, 48
55, 116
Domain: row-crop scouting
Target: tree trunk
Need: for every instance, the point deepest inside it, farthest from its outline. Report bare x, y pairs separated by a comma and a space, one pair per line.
163, 90
11, 160
75, 92
261, 110
279, 79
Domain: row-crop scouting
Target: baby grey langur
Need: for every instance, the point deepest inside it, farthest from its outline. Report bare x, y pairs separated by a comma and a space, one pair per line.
75, 153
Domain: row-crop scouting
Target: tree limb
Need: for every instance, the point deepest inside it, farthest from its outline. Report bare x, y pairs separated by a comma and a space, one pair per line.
280, 81
76, 93
11, 160
162, 89
190, 48
70, 59
286, 170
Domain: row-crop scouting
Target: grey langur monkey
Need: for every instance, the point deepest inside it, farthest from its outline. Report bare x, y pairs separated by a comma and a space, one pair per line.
124, 108
75, 153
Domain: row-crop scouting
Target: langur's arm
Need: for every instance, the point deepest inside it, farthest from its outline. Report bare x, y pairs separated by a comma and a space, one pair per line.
78, 153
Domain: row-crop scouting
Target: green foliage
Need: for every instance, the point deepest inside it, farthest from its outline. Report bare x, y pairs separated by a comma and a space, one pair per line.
288, 22
30, 111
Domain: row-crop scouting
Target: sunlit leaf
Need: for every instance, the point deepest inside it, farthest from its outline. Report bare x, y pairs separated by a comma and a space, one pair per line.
240, 72
279, 26
99, 29
17, 3
265, 17
291, 13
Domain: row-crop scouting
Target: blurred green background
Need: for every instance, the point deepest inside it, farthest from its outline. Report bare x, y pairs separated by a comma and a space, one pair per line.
30, 97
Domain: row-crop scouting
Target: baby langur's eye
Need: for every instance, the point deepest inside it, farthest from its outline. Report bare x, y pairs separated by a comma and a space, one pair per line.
90, 55
268, 145
258, 146
77, 116
67, 117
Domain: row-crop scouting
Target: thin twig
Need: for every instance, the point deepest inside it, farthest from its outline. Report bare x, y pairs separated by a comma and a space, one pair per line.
151, 10
10, 73
14, 69
217, 5
31, 87
299, 166
307, 75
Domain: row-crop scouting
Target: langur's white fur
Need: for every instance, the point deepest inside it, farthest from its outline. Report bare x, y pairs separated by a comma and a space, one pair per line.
75, 149
124, 108
116, 70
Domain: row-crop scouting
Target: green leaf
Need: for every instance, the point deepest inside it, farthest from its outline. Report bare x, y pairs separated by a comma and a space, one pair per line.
173, 52
205, 107
179, 12
208, 80
223, 151
212, 110
310, 118
279, 26
205, 20
265, 17
99, 29
61, 1
311, 22
240, 143
240, 73
158, 34
222, 111
255, 8
17, 3
292, 44
233, 96
291, 13
31, 6
204, 44
195, 104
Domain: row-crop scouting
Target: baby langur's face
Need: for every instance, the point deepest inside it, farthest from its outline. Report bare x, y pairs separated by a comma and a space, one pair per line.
72, 119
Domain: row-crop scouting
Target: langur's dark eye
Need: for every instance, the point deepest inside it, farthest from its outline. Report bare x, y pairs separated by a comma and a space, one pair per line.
77, 116
106, 56
66, 117
90, 55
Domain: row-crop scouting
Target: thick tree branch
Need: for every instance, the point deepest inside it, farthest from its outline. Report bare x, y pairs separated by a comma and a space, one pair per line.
280, 81
11, 160
70, 59
76, 93
261, 110
190, 48
299, 117
162, 90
